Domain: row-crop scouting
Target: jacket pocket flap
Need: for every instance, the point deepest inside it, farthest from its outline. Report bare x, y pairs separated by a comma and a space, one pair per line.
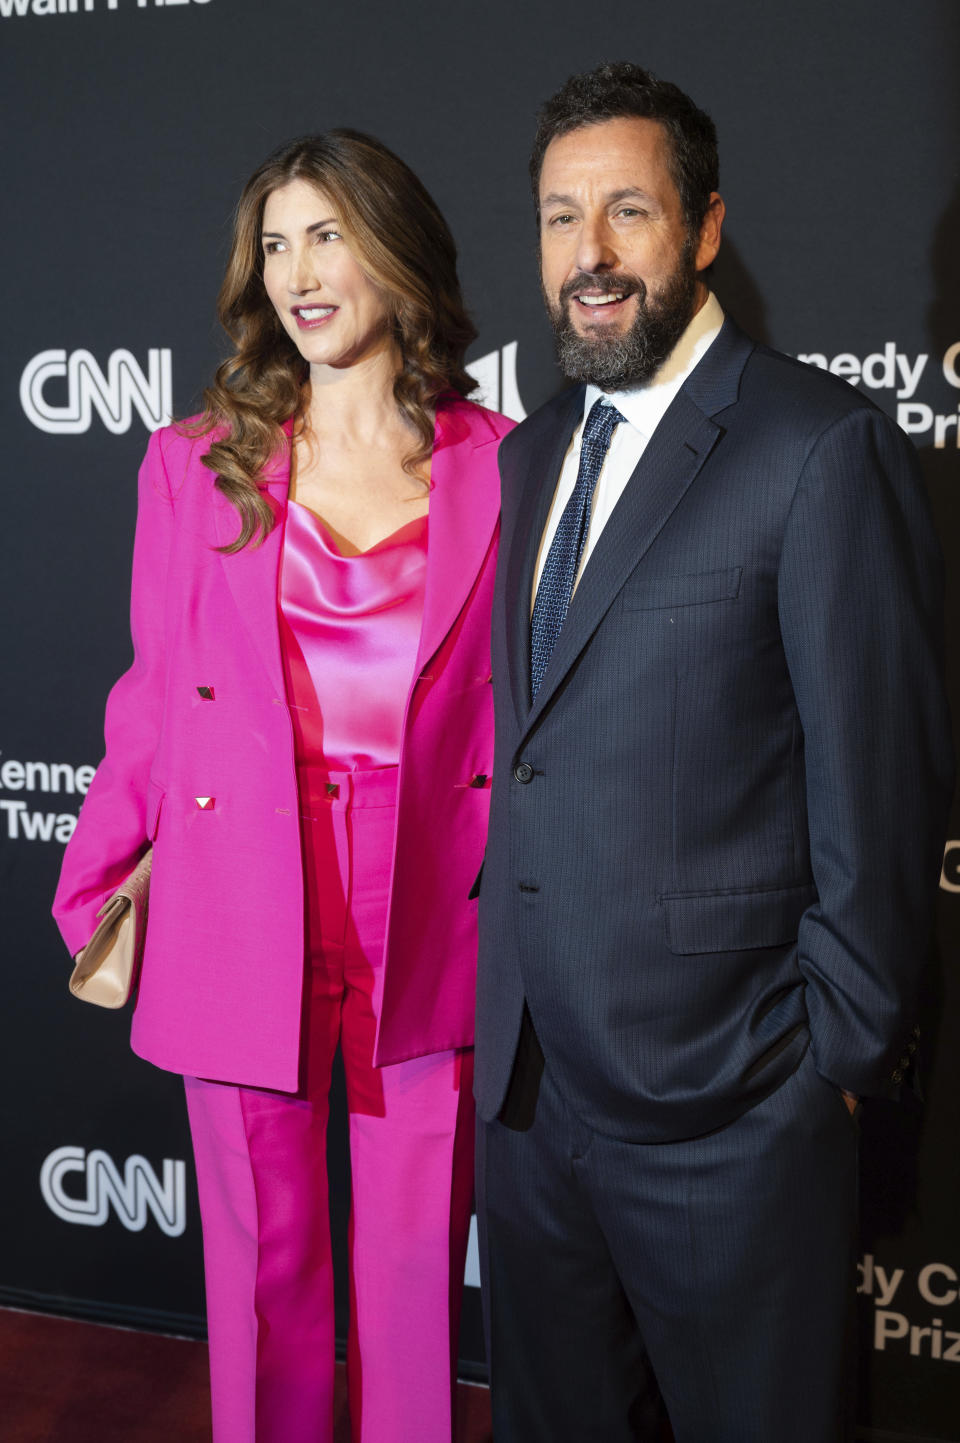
734, 921
155, 796
650, 593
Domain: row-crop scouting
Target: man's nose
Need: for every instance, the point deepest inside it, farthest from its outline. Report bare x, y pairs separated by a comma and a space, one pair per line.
596, 250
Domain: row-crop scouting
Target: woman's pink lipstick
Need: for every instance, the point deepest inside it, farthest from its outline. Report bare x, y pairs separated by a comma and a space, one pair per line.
308, 318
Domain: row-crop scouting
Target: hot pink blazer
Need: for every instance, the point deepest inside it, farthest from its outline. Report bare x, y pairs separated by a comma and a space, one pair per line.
210, 779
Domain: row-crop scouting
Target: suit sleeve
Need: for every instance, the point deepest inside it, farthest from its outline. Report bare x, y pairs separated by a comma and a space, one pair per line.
111, 832
860, 598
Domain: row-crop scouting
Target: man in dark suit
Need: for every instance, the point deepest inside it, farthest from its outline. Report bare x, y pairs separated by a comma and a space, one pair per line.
721, 781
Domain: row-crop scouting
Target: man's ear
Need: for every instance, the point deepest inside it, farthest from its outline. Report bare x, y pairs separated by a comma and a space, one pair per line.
710, 228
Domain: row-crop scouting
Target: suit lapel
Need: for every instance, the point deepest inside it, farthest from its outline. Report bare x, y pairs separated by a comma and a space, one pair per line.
677, 450
463, 515
671, 461
253, 573
464, 506
535, 487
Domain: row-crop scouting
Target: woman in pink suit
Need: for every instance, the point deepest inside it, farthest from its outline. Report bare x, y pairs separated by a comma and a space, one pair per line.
305, 737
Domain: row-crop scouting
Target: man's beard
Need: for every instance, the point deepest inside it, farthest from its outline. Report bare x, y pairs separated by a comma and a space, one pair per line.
614, 360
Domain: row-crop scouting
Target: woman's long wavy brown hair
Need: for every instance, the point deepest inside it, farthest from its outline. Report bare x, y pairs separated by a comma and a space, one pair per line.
403, 243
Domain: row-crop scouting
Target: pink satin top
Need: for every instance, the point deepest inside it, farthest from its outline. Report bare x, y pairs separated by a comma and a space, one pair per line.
349, 630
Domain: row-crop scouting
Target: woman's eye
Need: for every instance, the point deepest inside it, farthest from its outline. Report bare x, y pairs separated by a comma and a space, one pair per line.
272, 248
328, 235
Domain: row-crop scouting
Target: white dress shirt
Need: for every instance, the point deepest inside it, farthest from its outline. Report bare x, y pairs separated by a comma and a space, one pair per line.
642, 408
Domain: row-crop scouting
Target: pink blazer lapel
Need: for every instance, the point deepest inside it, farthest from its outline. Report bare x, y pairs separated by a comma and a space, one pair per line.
463, 518
253, 573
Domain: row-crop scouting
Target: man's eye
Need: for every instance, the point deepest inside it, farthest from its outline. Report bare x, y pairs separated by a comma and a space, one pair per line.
564, 219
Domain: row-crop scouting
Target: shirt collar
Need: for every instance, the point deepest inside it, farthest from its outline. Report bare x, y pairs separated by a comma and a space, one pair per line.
644, 406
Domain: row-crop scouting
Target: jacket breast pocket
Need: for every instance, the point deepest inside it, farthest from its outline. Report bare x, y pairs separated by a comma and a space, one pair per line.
652, 593
734, 921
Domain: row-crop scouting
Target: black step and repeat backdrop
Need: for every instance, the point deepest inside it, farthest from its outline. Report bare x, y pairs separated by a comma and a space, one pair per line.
128, 129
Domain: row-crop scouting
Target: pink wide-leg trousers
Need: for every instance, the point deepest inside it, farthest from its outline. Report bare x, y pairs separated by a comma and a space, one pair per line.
262, 1174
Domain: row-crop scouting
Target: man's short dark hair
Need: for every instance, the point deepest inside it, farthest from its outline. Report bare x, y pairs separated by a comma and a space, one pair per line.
623, 90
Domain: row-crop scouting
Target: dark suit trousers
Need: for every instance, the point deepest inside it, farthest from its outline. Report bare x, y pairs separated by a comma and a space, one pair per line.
716, 1274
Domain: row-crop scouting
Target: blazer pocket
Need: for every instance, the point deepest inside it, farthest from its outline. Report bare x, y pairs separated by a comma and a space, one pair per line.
155, 796
734, 921
651, 593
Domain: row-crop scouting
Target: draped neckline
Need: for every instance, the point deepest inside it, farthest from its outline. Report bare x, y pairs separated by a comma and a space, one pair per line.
400, 537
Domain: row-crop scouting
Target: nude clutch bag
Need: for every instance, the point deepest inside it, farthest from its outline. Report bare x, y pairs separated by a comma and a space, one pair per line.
107, 968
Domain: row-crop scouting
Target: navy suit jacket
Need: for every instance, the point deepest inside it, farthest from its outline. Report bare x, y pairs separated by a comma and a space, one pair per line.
715, 836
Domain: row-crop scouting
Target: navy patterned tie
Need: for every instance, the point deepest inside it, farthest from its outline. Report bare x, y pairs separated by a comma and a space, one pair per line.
563, 558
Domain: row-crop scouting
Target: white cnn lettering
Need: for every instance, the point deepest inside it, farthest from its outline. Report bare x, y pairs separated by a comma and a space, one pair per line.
131, 1196
496, 378
486, 373
114, 396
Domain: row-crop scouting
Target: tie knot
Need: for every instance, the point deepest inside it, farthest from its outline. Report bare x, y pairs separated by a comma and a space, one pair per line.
599, 426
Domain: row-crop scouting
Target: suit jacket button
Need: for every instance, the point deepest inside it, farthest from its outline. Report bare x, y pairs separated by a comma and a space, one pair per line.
523, 772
